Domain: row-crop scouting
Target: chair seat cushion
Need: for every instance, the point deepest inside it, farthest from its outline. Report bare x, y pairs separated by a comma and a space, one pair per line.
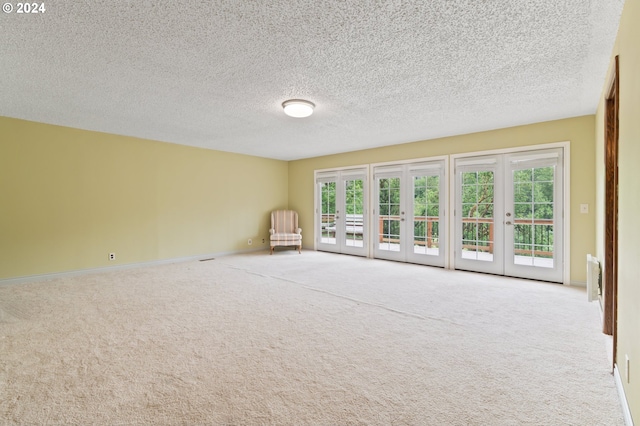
285, 237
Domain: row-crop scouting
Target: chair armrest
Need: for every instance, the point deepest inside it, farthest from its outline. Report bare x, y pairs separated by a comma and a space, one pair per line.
299, 230
272, 231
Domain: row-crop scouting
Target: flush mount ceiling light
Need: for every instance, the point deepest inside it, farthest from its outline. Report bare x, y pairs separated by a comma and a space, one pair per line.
298, 108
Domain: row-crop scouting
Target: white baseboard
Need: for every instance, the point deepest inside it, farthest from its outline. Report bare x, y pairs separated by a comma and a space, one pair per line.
578, 284
45, 277
628, 420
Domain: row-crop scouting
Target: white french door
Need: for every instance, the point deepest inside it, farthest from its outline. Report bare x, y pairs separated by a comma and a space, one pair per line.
409, 213
508, 214
534, 223
342, 219
478, 235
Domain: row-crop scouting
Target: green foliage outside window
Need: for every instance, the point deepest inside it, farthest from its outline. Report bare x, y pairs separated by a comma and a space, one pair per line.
426, 209
354, 196
533, 203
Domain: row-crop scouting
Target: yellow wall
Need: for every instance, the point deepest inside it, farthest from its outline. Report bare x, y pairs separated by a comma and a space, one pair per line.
628, 336
70, 197
579, 131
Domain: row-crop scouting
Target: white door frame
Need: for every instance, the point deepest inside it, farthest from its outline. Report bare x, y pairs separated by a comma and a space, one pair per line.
406, 169
566, 184
340, 175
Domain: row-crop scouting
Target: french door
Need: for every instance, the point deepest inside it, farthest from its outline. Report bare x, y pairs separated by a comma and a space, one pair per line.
342, 219
478, 234
409, 215
509, 214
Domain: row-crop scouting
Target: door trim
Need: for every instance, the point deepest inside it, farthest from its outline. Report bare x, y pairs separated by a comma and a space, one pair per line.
566, 146
610, 290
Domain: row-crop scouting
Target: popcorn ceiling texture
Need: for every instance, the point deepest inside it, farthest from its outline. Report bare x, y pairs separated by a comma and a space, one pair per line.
214, 74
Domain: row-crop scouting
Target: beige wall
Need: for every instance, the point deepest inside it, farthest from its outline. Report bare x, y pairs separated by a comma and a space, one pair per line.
579, 131
70, 197
628, 336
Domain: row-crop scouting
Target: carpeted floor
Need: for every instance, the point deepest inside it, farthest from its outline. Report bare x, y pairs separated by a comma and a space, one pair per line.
315, 338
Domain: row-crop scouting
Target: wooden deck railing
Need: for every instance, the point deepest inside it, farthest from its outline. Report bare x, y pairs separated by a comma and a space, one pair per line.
328, 223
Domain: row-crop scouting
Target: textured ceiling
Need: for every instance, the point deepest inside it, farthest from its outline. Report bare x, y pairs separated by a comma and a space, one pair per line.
381, 72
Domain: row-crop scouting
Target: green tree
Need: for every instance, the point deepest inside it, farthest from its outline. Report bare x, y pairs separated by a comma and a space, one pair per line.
354, 196
426, 207
533, 201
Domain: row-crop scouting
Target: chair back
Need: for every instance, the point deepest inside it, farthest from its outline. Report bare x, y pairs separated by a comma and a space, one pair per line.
284, 221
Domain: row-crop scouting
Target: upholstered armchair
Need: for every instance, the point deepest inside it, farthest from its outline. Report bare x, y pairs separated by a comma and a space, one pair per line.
284, 230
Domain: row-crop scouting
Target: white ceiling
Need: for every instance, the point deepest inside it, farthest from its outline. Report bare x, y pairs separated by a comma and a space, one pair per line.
381, 72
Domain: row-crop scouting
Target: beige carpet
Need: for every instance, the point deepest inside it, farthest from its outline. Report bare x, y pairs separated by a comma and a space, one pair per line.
302, 339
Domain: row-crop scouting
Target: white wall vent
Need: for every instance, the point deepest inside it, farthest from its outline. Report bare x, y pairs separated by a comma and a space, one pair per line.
593, 278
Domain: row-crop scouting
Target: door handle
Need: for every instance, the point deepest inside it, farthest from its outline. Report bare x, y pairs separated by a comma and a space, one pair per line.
508, 222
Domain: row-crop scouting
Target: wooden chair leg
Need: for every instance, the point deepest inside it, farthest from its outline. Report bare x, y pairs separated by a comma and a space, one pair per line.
271, 250
300, 249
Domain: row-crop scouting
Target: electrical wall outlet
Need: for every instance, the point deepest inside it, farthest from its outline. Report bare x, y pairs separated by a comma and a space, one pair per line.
112, 256
249, 241
263, 241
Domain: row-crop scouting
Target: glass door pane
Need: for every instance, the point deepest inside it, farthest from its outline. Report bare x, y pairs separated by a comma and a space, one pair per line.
426, 217
389, 214
354, 213
533, 217
478, 224
328, 213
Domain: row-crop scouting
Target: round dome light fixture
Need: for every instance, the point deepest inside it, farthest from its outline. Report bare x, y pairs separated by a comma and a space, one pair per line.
298, 108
